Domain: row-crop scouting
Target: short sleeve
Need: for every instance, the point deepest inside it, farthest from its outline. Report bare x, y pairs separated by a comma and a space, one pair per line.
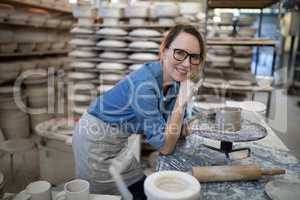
145, 103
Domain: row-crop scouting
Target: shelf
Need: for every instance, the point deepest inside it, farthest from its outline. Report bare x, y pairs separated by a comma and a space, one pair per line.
126, 61
46, 53
20, 23
228, 87
131, 38
127, 50
250, 4
241, 42
37, 4
126, 38
128, 26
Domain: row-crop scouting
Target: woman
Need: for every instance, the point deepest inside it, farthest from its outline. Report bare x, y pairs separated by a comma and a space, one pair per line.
149, 101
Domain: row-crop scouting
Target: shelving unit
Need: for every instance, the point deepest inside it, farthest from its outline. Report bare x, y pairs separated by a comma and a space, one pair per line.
251, 42
39, 48
245, 4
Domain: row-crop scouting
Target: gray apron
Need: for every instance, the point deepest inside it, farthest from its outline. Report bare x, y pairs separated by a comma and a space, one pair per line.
96, 145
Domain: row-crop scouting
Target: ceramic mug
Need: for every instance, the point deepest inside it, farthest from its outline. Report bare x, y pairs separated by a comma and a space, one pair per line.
39, 190
75, 190
228, 119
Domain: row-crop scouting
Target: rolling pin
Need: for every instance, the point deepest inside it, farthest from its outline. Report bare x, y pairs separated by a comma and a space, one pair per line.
232, 173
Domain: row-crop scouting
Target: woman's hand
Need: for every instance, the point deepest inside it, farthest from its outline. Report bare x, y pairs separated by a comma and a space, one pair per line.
185, 92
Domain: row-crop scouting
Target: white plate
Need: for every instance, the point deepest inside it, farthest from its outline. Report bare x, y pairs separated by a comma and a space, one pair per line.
113, 55
83, 65
112, 31
82, 30
143, 56
81, 75
145, 33
112, 43
111, 77
135, 67
83, 42
111, 66
144, 45
83, 54
80, 109
81, 98
84, 86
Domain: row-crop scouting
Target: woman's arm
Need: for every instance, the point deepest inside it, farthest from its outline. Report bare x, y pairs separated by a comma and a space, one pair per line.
174, 125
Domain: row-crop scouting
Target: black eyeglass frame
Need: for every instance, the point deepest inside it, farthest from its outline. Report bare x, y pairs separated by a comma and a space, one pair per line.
187, 54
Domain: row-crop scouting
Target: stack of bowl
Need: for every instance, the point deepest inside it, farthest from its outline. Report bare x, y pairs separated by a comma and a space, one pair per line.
41, 97
111, 14
166, 13
137, 14
14, 120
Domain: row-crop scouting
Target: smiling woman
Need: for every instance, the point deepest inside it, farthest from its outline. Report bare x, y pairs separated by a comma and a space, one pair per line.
150, 101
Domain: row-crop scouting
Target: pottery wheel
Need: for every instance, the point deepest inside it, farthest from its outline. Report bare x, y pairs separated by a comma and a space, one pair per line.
283, 190
206, 128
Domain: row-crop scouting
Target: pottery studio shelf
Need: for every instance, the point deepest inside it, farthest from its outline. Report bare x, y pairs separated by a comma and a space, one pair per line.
126, 61
22, 24
126, 38
37, 4
252, 4
128, 26
38, 53
242, 42
127, 50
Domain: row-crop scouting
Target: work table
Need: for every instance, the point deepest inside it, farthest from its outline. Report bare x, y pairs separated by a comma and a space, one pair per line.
268, 152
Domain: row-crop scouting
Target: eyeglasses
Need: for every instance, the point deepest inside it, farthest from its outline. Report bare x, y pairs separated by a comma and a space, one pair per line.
181, 55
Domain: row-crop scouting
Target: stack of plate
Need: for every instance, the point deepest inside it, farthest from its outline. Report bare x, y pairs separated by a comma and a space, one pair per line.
81, 91
110, 74
13, 121
82, 95
82, 73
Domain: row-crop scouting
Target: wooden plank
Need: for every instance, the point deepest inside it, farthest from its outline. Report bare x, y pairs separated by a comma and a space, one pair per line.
126, 61
37, 4
252, 4
21, 54
241, 42
22, 24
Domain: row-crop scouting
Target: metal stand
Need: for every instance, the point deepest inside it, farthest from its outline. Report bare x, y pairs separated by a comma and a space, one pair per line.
227, 148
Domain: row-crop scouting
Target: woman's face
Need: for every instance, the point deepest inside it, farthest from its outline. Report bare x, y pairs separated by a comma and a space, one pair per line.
176, 67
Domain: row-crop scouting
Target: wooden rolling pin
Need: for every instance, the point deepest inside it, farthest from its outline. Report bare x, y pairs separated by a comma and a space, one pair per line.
232, 173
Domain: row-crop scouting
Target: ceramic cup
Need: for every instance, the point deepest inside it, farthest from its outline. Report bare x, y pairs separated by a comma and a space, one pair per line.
228, 119
39, 190
75, 190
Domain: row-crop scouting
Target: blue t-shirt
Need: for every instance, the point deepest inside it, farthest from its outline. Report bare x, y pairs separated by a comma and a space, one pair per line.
137, 105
